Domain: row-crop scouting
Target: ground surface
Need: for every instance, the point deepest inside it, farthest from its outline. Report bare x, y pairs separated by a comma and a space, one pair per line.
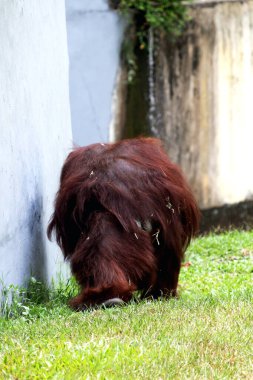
206, 334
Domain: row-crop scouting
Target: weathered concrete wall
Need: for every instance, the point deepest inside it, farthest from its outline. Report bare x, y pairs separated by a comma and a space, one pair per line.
35, 133
94, 41
204, 92
195, 93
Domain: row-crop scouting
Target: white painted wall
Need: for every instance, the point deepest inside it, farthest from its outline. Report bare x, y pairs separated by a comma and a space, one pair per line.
94, 40
35, 133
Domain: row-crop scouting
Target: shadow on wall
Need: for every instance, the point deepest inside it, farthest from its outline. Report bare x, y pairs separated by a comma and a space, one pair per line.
218, 219
38, 259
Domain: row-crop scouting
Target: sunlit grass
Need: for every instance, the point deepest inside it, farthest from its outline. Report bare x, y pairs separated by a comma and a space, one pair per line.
206, 334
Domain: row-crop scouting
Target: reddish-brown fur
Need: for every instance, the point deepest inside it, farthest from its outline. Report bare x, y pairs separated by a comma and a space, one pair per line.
123, 217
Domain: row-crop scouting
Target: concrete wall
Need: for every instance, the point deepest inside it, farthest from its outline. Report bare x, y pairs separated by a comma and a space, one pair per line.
35, 133
94, 41
204, 92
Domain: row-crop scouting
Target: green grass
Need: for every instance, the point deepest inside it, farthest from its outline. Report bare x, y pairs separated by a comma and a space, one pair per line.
206, 334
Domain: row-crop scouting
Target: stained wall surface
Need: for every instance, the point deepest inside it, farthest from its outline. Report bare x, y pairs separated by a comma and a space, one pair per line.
204, 92
35, 134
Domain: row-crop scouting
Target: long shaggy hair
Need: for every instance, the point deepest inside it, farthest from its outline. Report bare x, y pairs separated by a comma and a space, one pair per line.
123, 217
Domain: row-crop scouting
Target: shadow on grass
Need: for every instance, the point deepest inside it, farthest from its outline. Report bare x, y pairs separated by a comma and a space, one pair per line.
16, 301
